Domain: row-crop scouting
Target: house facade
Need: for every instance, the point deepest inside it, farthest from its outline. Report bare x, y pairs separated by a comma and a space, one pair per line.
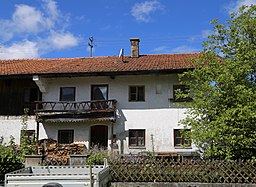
126, 104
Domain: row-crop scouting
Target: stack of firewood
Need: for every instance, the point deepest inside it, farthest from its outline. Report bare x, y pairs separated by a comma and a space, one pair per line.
56, 154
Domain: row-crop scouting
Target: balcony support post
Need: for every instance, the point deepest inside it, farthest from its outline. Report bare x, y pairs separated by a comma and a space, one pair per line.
112, 132
37, 135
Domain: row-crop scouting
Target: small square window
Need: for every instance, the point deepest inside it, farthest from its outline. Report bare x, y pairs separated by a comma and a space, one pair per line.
65, 136
137, 93
180, 138
67, 93
137, 137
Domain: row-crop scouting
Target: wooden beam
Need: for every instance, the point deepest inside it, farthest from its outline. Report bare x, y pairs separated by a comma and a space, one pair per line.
37, 135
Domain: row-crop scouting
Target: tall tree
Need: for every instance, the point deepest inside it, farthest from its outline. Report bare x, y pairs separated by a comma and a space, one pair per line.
222, 115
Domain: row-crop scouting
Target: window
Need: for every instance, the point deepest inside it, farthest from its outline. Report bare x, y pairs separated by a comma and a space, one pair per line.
32, 94
67, 93
99, 92
137, 93
65, 136
180, 138
183, 89
29, 135
137, 137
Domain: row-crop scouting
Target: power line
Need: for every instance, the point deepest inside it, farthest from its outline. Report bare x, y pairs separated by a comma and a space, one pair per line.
120, 42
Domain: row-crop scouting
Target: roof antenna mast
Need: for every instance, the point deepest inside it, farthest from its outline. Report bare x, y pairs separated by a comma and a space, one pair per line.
90, 45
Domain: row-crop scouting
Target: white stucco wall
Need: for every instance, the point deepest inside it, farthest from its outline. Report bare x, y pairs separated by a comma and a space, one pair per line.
118, 89
157, 115
12, 125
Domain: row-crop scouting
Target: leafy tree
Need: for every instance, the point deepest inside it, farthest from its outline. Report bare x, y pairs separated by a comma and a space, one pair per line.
222, 115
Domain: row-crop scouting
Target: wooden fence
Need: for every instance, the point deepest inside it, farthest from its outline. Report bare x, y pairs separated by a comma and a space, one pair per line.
200, 171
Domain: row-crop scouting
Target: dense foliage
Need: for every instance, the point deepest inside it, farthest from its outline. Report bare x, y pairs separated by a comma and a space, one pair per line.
222, 115
10, 159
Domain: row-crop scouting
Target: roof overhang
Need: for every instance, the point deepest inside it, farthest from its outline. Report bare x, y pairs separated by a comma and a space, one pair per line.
90, 74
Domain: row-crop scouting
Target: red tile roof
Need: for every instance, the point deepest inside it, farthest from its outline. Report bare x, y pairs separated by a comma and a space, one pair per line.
97, 65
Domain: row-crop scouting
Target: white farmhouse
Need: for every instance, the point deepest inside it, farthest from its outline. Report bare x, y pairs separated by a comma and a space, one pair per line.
124, 103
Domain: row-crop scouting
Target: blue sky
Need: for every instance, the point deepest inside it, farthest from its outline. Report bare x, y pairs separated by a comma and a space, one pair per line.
61, 28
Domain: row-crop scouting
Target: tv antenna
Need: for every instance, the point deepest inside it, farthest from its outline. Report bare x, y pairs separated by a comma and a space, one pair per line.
90, 44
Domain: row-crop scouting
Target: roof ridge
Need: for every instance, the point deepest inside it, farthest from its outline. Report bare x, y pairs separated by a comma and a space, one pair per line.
64, 58
192, 53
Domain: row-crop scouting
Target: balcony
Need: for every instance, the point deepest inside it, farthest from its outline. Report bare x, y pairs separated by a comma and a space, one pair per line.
66, 111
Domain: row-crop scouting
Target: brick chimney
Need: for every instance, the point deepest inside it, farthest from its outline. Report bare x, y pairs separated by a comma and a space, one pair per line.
135, 47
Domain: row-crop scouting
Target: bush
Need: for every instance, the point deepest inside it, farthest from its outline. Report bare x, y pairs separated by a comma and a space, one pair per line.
97, 157
10, 158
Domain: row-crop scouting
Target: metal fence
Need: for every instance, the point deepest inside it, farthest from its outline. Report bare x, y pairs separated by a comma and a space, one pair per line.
200, 171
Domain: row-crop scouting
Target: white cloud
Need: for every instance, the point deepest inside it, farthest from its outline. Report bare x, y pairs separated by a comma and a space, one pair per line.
24, 49
142, 11
62, 40
161, 49
27, 19
31, 32
234, 6
183, 49
52, 9
6, 32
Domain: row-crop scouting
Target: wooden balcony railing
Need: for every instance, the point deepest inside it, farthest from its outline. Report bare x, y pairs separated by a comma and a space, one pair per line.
69, 106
